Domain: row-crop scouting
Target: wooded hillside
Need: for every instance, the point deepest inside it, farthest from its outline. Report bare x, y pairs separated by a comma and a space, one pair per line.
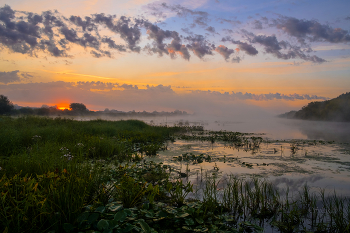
337, 109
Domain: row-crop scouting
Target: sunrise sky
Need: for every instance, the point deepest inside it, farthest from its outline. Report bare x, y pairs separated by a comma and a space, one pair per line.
204, 56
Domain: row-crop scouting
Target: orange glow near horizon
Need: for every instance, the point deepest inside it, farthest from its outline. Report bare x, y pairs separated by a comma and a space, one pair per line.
62, 106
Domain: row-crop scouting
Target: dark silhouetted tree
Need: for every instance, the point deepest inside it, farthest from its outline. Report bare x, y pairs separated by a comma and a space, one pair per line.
78, 107
6, 105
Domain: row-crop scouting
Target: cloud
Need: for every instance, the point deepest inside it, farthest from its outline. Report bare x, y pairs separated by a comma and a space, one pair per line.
260, 97
311, 30
211, 29
199, 46
200, 18
112, 45
28, 33
224, 51
51, 33
86, 25
9, 77
96, 85
158, 46
257, 24
281, 49
243, 46
127, 30
230, 21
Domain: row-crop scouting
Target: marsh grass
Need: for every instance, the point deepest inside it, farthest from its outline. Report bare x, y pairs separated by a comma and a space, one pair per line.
61, 175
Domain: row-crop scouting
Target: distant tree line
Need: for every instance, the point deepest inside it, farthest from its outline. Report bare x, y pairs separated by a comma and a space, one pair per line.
337, 109
75, 109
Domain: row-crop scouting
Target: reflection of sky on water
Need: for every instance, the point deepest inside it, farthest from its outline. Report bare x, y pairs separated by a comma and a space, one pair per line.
320, 166
272, 127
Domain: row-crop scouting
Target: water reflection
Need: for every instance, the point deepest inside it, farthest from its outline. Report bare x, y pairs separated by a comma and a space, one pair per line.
287, 163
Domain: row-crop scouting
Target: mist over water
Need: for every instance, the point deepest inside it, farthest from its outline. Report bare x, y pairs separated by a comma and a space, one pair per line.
271, 126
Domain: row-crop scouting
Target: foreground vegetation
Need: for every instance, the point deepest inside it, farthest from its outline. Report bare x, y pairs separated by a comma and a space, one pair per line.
60, 175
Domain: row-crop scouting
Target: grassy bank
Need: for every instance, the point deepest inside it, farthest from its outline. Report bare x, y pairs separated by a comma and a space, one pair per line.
60, 175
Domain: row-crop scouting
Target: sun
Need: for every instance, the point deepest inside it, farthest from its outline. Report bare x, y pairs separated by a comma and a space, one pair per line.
62, 106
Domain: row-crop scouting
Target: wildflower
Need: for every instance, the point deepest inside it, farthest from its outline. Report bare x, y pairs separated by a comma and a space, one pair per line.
80, 144
68, 156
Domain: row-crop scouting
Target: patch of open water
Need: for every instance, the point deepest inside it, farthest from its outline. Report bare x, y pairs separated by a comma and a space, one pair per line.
286, 163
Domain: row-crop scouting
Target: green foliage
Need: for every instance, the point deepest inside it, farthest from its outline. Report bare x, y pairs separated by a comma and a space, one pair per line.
61, 175
157, 217
98, 139
48, 200
78, 107
337, 109
6, 105
178, 191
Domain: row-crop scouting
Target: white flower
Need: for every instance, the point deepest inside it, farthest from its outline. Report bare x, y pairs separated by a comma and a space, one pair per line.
68, 156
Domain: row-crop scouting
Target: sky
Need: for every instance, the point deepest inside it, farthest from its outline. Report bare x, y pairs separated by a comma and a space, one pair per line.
221, 57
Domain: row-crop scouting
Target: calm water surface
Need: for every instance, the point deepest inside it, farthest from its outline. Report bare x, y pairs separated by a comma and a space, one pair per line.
294, 153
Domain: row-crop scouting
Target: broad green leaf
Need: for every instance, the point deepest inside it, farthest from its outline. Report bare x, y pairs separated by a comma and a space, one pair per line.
182, 215
100, 209
189, 221
93, 217
190, 210
120, 216
144, 226
115, 208
187, 228
102, 224
128, 212
149, 214
128, 228
158, 219
113, 223
83, 217
199, 220
162, 213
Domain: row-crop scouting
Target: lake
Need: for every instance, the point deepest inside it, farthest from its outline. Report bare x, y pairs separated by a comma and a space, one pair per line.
293, 152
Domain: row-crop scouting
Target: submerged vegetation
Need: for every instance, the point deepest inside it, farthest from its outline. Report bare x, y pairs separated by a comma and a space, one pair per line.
61, 175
